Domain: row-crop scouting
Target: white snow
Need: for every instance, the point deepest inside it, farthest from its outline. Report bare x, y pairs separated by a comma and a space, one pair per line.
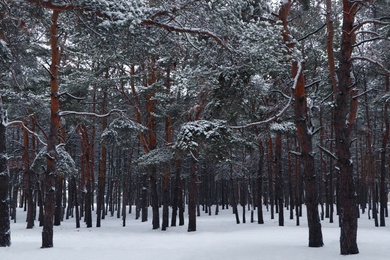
218, 237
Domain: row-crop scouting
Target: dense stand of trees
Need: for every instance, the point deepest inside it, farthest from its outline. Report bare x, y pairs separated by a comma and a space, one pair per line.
115, 106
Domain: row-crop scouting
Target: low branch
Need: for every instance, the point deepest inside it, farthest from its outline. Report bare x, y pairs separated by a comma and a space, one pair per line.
67, 113
327, 152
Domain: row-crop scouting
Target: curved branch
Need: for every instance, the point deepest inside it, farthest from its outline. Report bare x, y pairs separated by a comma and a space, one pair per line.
20, 123
70, 95
198, 31
281, 112
67, 113
387, 71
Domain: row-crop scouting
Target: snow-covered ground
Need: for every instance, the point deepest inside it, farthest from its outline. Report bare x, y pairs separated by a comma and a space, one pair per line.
218, 237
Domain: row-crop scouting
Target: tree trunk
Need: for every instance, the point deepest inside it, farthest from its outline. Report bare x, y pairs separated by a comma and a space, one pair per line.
192, 197
47, 232
382, 184
27, 179
58, 206
168, 139
176, 192
344, 118
260, 219
304, 126
154, 193
5, 231
102, 169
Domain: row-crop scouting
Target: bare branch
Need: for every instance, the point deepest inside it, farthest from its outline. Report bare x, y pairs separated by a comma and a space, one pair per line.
281, 93
361, 94
311, 33
369, 40
312, 83
327, 152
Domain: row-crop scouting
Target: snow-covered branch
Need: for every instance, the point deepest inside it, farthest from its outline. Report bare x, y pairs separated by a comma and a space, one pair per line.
326, 151
72, 96
378, 21
368, 40
198, 31
20, 123
67, 113
297, 75
281, 112
375, 62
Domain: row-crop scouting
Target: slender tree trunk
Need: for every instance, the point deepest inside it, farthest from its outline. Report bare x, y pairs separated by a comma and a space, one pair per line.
192, 196
87, 170
333, 77
260, 219
154, 195
27, 179
76, 201
290, 180
102, 169
169, 139
5, 231
382, 184
47, 231
279, 178
270, 176
58, 206
176, 192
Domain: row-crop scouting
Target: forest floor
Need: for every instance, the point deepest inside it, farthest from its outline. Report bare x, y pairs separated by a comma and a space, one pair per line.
217, 237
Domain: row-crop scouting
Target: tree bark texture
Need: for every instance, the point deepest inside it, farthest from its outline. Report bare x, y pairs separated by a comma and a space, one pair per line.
304, 127
49, 182
343, 121
5, 231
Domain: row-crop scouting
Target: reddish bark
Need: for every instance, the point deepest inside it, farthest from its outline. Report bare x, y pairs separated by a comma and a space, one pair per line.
303, 125
49, 182
348, 208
